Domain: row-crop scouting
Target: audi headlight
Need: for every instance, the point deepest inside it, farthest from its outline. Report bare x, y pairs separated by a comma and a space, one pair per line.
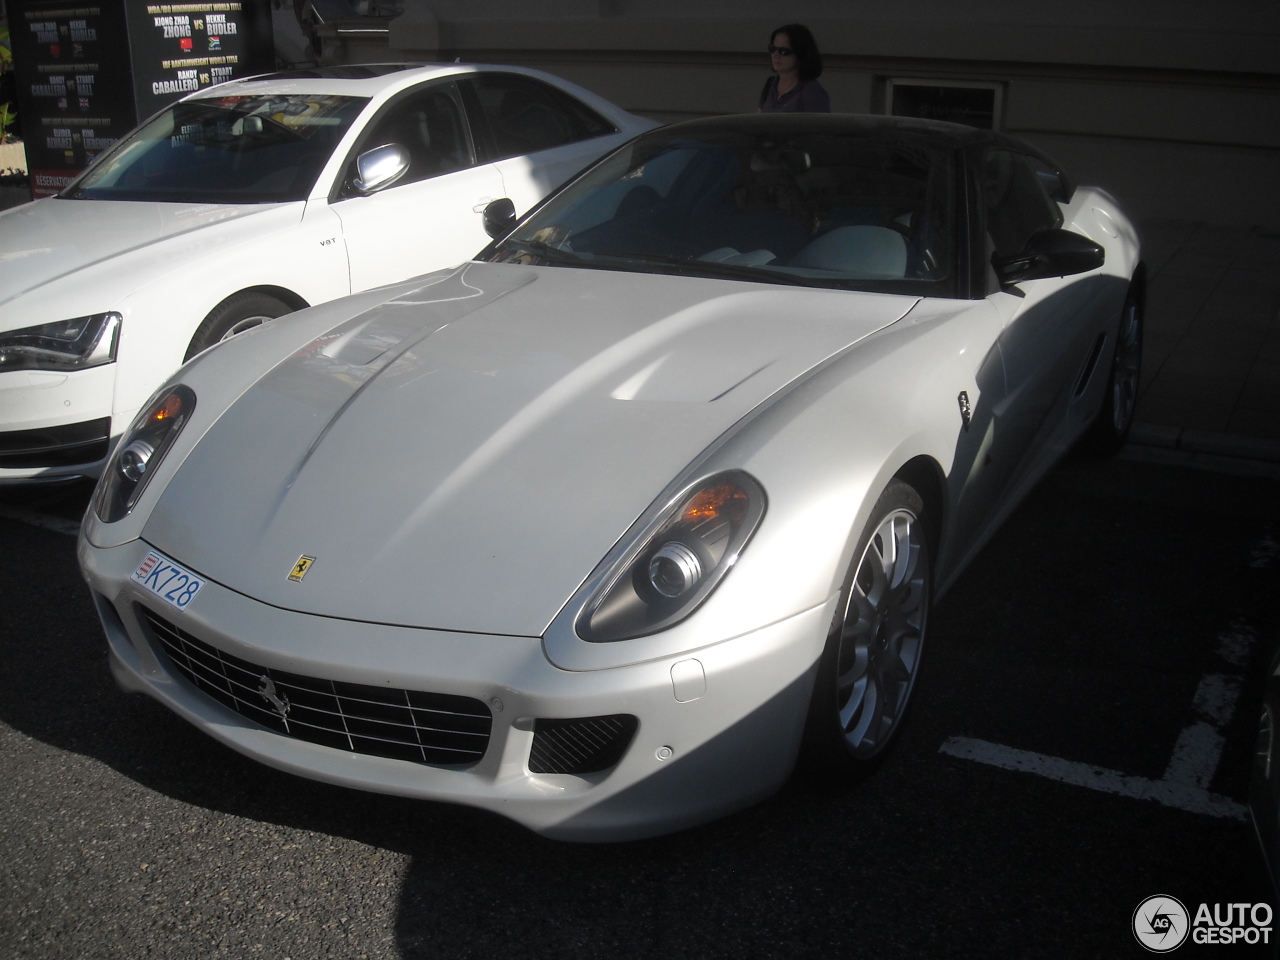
679, 563
140, 451
66, 345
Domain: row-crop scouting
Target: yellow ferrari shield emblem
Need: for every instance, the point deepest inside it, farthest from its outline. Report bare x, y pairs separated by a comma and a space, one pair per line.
300, 568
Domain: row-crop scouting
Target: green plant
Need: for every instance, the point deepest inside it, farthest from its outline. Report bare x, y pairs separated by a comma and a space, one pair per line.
7, 114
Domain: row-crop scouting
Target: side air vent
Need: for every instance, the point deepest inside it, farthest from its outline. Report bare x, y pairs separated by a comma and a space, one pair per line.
584, 745
1087, 371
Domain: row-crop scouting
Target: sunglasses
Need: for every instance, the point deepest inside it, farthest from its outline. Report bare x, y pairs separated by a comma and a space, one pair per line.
781, 51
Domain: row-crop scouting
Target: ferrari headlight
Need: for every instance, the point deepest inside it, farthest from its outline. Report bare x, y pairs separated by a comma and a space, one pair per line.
66, 345
140, 452
679, 563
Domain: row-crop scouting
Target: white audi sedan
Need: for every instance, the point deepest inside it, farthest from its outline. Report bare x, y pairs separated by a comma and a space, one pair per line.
247, 201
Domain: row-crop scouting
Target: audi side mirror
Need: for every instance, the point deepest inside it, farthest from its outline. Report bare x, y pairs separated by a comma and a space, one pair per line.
380, 167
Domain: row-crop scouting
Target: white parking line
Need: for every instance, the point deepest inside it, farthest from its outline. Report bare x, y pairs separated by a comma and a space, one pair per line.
56, 524
1185, 785
1179, 795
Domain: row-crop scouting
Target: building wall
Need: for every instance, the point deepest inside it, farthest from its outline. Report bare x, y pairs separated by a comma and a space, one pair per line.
1172, 105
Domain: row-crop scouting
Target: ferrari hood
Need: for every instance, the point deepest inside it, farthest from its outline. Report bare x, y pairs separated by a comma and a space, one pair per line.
464, 454
44, 241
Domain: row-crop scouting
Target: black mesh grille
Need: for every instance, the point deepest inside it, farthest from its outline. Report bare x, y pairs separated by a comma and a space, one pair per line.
380, 721
68, 444
585, 745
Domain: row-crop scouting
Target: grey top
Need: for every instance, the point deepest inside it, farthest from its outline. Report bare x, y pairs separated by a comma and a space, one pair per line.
807, 97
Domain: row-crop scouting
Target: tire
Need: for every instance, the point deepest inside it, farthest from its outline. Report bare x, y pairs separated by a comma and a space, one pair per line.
1108, 433
872, 656
236, 314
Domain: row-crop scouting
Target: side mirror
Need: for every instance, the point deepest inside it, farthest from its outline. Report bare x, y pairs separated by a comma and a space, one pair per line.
1049, 253
380, 167
499, 218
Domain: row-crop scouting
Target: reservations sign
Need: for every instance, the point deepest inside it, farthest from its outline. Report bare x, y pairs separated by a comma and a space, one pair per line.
87, 73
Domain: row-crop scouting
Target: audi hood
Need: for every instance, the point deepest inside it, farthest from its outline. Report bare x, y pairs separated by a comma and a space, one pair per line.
96, 245
464, 453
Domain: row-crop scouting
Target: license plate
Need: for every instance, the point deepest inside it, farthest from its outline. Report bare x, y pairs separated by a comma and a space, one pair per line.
173, 584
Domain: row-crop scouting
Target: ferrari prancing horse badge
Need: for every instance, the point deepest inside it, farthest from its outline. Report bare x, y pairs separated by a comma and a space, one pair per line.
300, 568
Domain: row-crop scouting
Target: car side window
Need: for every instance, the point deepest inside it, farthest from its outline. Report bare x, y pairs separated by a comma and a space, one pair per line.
430, 124
524, 115
1050, 178
1017, 203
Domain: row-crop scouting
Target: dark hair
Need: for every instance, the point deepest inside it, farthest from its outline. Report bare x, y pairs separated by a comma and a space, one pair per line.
809, 60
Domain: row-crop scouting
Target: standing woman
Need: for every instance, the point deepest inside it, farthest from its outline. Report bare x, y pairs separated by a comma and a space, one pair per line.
793, 54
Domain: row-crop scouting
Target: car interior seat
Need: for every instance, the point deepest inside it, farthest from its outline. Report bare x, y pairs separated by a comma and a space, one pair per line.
442, 134
861, 250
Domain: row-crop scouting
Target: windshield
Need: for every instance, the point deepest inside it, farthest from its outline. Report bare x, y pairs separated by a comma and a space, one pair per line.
855, 208
240, 149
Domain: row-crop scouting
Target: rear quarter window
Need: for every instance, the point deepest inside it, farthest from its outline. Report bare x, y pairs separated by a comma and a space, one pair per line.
524, 115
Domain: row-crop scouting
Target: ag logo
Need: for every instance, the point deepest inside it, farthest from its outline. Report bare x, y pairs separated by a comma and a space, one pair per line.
1161, 924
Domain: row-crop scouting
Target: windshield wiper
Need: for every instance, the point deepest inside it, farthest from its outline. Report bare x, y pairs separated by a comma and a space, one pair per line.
541, 249
715, 269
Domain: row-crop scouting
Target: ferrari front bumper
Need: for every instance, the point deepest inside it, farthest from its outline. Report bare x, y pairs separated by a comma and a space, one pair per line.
715, 730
